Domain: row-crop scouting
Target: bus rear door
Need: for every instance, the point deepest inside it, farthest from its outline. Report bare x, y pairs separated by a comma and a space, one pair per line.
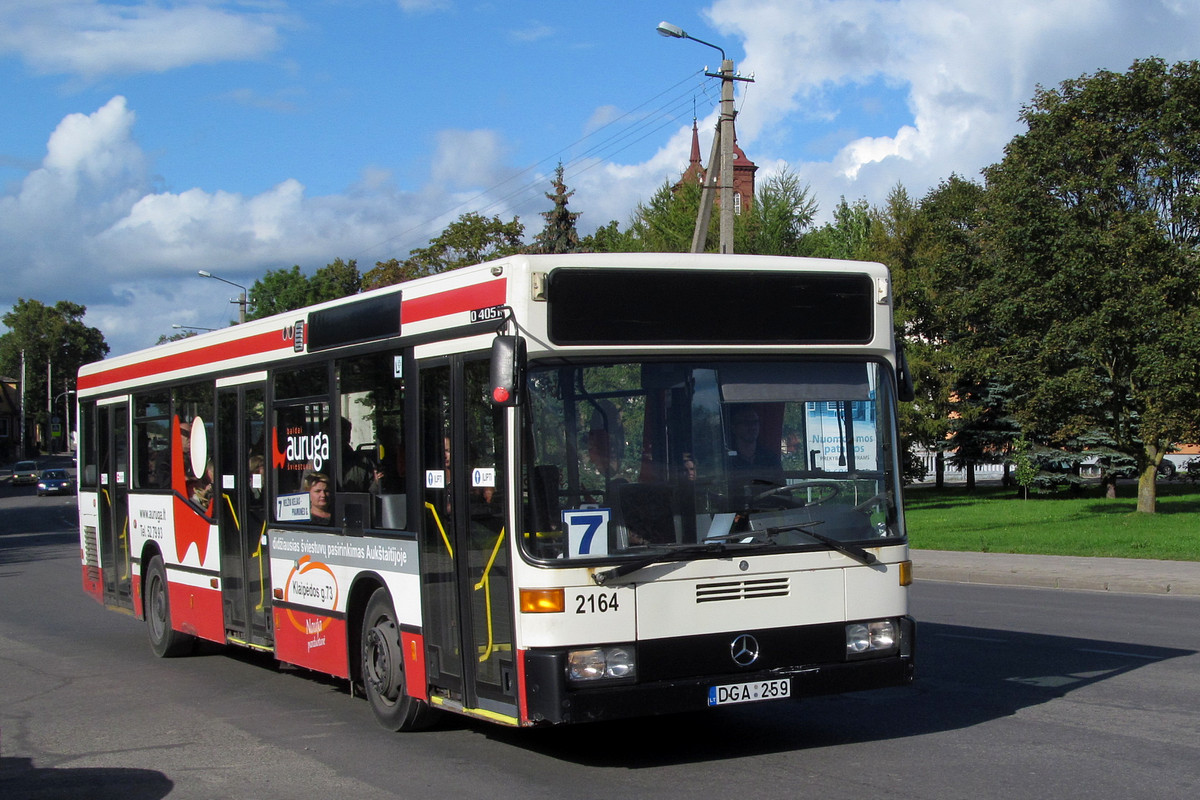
115, 563
241, 513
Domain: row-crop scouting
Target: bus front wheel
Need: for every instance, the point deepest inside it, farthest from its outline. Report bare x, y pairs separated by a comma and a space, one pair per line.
383, 669
165, 641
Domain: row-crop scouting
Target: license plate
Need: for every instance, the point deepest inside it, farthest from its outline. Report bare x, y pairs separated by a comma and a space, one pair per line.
749, 692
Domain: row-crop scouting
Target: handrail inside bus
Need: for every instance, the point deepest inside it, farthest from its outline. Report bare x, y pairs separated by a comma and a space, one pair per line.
441, 528
486, 585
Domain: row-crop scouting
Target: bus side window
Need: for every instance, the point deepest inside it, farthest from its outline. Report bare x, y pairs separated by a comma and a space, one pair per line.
371, 406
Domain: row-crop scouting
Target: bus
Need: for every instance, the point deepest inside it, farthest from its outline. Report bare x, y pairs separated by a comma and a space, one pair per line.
545, 489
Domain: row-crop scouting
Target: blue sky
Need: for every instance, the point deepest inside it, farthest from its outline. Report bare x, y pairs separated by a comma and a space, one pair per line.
143, 141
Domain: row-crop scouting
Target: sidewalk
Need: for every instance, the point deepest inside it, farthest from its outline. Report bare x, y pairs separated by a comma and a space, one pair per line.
1121, 575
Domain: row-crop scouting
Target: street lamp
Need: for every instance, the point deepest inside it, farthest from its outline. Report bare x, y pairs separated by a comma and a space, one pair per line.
241, 301
67, 417
722, 143
191, 327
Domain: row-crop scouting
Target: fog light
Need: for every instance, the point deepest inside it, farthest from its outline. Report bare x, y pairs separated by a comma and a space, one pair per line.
871, 638
620, 663
586, 665
858, 639
616, 662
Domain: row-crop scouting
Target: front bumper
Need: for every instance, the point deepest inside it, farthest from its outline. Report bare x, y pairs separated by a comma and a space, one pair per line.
551, 700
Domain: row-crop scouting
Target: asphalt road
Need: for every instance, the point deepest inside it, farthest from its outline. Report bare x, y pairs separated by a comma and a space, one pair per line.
1022, 692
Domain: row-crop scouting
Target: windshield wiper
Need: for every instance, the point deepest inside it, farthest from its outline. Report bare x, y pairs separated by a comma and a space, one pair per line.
719, 544
852, 550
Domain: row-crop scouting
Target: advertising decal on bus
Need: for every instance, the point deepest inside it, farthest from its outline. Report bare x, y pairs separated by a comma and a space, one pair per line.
313, 573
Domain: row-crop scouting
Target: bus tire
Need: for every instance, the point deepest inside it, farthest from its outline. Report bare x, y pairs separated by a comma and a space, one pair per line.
165, 641
383, 669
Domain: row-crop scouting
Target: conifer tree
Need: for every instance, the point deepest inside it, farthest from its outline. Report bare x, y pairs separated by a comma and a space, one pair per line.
559, 235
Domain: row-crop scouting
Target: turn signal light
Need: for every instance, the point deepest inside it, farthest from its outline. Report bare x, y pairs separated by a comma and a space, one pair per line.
543, 601
905, 573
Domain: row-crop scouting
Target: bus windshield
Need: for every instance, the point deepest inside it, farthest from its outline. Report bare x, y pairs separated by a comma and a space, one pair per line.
627, 459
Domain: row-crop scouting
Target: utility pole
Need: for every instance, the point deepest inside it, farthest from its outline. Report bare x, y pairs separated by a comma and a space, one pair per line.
49, 409
722, 144
726, 127
22, 445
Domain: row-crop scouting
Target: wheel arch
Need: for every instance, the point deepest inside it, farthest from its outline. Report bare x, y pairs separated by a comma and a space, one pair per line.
356, 606
149, 550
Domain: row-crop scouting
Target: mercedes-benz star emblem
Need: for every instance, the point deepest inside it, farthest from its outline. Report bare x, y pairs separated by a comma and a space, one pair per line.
744, 650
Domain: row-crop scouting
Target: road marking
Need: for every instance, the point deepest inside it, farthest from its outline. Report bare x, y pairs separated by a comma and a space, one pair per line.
1119, 653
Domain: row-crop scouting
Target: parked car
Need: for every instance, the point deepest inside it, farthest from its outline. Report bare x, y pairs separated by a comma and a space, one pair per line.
25, 472
55, 481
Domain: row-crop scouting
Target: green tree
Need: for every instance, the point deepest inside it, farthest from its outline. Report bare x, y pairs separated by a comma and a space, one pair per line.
1026, 468
665, 223
277, 291
1090, 288
607, 239
175, 337
336, 279
781, 214
389, 273
847, 236
559, 235
471, 239
54, 340
283, 290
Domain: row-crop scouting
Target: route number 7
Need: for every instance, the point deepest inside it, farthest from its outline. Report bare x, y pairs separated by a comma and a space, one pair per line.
587, 532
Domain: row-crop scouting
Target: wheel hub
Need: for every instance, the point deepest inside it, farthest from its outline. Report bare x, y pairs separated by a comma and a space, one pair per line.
381, 663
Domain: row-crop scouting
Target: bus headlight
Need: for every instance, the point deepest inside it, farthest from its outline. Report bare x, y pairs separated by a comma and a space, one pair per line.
867, 639
599, 663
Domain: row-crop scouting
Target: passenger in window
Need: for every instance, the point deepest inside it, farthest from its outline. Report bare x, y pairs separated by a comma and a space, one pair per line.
357, 470
390, 469
606, 440
320, 498
202, 487
750, 462
256, 469
689, 468
199, 487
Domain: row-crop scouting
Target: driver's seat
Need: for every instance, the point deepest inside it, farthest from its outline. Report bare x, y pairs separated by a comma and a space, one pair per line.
645, 514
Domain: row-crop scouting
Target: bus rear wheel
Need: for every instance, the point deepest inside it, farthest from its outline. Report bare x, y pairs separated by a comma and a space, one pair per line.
383, 670
165, 641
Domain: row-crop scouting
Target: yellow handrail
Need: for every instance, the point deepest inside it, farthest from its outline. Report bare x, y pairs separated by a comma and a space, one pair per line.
486, 585
441, 528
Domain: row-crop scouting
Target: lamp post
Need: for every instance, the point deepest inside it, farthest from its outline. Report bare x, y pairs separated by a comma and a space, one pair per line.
67, 417
722, 143
241, 301
191, 328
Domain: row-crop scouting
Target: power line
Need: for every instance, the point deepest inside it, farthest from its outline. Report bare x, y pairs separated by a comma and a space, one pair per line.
640, 127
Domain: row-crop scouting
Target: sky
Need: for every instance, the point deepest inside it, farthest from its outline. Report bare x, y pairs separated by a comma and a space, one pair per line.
142, 141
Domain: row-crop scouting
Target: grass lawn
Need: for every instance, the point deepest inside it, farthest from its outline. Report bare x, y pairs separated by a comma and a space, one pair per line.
997, 520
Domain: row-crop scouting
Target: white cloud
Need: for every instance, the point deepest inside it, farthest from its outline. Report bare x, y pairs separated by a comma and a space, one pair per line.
420, 6
87, 222
533, 32
90, 221
468, 158
968, 66
91, 39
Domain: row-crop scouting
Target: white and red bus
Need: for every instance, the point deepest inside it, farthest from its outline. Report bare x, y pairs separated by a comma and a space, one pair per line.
544, 489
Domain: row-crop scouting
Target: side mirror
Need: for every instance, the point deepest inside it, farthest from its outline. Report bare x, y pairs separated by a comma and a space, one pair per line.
508, 370
905, 390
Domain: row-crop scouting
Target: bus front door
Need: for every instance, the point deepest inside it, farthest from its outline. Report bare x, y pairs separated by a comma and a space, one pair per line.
465, 557
241, 514
115, 562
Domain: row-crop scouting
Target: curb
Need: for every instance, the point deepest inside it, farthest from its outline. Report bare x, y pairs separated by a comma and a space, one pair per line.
1116, 575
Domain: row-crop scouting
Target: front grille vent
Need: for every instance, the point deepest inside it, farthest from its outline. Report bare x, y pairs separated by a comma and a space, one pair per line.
741, 590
